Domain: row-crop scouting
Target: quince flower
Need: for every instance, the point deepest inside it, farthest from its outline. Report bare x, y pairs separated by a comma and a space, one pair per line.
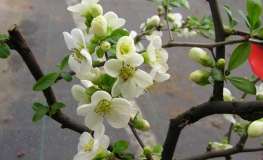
220, 146
80, 60
124, 48
99, 26
186, 33
79, 92
116, 110
175, 19
113, 21
93, 75
128, 76
93, 148
84, 7
138, 45
150, 35
157, 55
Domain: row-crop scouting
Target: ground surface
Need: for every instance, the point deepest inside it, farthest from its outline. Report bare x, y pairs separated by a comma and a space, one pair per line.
42, 23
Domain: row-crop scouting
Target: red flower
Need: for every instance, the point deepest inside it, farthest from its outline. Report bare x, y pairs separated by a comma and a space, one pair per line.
256, 60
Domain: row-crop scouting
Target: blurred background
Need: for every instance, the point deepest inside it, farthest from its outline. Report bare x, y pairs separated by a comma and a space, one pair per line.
42, 23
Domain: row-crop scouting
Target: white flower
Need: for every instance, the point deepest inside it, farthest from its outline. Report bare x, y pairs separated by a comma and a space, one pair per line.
186, 33
175, 19
124, 48
116, 110
128, 76
259, 89
93, 75
80, 60
255, 129
113, 21
228, 97
157, 55
220, 146
90, 147
79, 92
150, 35
138, 45
84, 7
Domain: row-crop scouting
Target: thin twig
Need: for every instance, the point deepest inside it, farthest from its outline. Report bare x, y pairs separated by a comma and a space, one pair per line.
168, 25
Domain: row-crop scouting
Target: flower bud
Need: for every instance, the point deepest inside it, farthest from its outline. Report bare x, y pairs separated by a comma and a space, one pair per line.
147, 150
101, 153
155, 20
221, 63
105, 46
169, 10
94, 40
94, 75
259, 97
96, 10
99, 26
170, 18
141, 124
255, 129
199, 76
200, 56
161, 25
160, 8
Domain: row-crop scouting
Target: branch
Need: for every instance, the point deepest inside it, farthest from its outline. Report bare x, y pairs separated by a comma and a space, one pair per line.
240, 33
168, 26
247, 110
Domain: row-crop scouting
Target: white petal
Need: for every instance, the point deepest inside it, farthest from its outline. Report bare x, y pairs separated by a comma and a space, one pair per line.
133, 34
121, 105
113, 67
135, 60
151, 52
93, 121
105, 141
73, 64
86, 83
154, 71
109, 16
128, 89
139, 46
163, 55
70, 42
142, 79
99, 132
78, 8
157, 42
83, 101
86, 109
161, 77
116, 88
230, 118
100, 95
226, 92
177, 16
155, 33
78, 92
78, 36
136, 111
116, 23
117, 120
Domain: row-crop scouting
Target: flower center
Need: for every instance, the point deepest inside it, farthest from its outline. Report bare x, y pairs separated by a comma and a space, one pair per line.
89, 146
103, 108
127, 72
77, 55
150, 87
124, 48
158, 58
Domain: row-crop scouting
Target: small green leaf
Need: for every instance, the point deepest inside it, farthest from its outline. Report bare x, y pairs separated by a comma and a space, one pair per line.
59, 66
4, 51
203, 83
142, 156
66, 76
113, 49
243, 84
40, 112
234, 22
254, 10
99, 53
129, 156
45, 81
174, 4
157, 149
36, 105
229, 14
160, 157
242, 134
260, 32
246, 127
184, 3
118, 33
53, 111
64, 62
239, 56
58, 105
3, 37
217, 75
258, 24
245, 19
155, 0
120, 146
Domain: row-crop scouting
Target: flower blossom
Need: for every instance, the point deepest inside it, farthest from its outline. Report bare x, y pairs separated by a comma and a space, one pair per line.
116, 110
220, 146
93, 148
128, 76
186, 33
113, 21
124, 48
84, 7
79, 92
175, 19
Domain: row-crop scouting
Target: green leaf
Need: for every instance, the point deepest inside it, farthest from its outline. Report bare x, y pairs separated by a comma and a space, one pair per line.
45, 81
53, 111
254, 10
113, 49
58, 105
118, 33
184, 3
157, 149
160, 157
40, 112
204, 83
4, 51
64, 62
36, 105
120, 146
129, 156
155, 0
3, 37
174, 4
66, 76
260, 32
258, 24
229, 14
239, 56
217, 75
99, 53
243, 84
245, 19
234, 22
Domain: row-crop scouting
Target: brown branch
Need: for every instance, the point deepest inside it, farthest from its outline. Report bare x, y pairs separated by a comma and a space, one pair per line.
240, 33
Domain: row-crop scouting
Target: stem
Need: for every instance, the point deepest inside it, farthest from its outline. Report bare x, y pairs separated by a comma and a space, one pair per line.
168, 26
136, 135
